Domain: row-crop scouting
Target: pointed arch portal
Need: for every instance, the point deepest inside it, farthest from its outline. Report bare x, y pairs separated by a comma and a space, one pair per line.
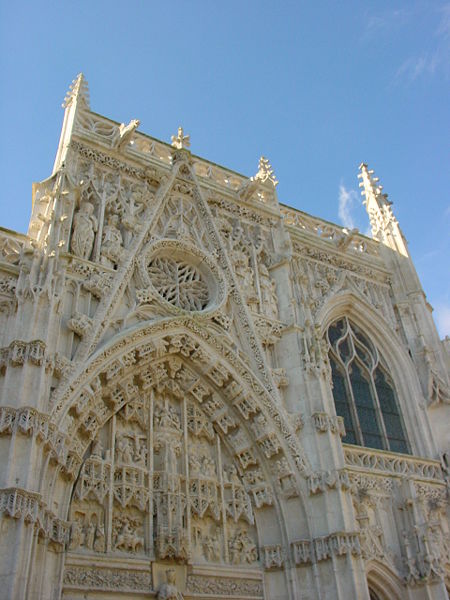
178, 455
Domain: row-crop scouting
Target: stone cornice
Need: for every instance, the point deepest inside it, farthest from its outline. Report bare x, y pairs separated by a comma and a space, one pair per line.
30, 422
18, 503
323, 548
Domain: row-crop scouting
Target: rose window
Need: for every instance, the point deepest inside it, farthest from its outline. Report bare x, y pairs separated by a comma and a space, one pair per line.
179, 283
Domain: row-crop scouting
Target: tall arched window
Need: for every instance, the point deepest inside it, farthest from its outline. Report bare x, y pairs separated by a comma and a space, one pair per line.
363, 390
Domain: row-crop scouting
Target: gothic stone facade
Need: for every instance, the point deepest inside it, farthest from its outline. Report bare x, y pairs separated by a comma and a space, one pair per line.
169, 427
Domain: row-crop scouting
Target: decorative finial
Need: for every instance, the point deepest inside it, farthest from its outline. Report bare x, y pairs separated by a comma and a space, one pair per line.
181, 141
265, 172
78, 89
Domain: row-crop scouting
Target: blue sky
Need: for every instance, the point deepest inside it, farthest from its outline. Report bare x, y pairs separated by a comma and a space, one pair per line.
317, 87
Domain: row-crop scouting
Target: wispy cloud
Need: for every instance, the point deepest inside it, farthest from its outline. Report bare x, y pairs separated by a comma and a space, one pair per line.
435, 60
442, 318
414, 67
444, 24
435, 54
385, 22
348, 201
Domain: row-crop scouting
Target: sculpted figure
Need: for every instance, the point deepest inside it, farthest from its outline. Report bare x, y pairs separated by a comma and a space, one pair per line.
231, 475
76, 536
128, 540
242, 548
84, 228
90, 534
127, 456
140, 455
123, 450
194, 465
211, 548
169, 590
99, 544
268, 293
112, 242
97, 449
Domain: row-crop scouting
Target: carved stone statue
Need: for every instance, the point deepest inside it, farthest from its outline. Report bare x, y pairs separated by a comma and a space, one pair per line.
76, 536
128, 540
97, 449
242, 548
112, 242
169, 590
90, 535
99, 544
268, 293
84, 228
211, 548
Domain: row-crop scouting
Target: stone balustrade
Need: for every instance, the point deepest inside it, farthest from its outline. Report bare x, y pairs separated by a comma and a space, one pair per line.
391, 463
340, 236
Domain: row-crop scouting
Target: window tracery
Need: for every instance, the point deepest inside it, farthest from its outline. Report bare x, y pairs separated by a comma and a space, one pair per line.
179, 283
363, 390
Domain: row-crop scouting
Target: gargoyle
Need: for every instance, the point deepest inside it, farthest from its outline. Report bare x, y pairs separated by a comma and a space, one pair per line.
124, 134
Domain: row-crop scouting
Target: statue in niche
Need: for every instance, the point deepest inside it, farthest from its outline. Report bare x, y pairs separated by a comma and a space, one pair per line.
76, 536
123, 450
195, 465
211, 548
269, 301
140, 455
127, 540
208, 467
90, 536
97, 449
84, 228
112, 242
242, 548
230, 475
169, 590
245, 277
99, 544
167, 418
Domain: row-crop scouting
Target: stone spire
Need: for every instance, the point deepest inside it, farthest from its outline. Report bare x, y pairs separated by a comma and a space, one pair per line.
77, 99
384, 225
78, 90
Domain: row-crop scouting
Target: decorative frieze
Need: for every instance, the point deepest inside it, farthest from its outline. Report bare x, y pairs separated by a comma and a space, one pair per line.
107, 579
28, 506
225, 586
147, 174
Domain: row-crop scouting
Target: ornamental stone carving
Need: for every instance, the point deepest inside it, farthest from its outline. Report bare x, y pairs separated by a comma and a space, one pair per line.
166, 386
182, 277
84, 228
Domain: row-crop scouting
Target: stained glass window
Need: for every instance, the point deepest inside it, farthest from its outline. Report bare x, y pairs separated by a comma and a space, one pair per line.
363, 390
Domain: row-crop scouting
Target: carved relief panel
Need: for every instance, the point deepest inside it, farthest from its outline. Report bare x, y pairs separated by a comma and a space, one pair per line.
159, 482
